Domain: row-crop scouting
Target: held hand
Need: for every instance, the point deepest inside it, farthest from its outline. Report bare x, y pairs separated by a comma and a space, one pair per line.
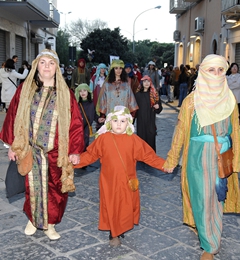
12, 155
170, 170
74, 158
156, 106
101, 120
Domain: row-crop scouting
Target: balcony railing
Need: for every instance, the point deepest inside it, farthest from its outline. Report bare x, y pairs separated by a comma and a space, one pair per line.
39, 12
231, 10
230, 6
178, 6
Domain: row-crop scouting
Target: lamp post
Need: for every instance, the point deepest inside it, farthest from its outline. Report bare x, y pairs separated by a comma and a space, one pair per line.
135, 32
65, 17
157, 7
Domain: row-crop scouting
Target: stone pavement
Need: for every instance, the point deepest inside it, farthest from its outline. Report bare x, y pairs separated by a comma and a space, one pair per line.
160, 235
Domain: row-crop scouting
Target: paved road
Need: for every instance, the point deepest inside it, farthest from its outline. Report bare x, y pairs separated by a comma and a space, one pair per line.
160, 235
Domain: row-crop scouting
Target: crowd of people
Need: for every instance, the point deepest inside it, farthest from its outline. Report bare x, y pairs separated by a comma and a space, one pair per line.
51, 113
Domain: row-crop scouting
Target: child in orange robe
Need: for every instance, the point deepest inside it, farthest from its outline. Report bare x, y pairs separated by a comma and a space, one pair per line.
118, 150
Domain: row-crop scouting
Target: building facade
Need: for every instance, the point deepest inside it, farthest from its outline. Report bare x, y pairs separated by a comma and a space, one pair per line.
27, 27
206, 27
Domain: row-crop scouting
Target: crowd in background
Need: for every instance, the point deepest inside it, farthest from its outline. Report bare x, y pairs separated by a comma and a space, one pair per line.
173, 82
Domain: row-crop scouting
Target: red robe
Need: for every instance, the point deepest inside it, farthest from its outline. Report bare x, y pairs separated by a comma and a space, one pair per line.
119, 206
56, 199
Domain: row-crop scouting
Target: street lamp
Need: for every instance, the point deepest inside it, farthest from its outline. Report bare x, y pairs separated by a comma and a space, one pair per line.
65, 17
135, 32
157, 7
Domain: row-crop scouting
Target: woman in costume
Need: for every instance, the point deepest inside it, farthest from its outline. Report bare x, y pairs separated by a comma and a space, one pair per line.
153, 74
96, 83
44, 117
118, 149
149, 105
80, 74
116, 91
204, 193
132, 78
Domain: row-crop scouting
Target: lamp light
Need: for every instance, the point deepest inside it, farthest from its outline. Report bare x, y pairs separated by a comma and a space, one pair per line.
231, 20
65, 14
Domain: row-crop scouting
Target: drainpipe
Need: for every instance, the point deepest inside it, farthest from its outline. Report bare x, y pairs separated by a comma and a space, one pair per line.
28, 43
176, 47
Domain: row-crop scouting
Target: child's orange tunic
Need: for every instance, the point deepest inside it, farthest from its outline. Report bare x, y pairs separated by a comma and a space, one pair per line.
119, 206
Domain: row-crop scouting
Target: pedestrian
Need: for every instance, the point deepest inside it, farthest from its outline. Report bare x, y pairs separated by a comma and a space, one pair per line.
211, 103
116, 91
234, 83
183, 81
153, 74
137, 71
83, 95
21, 70
68, 75
1, 103
9, 78
192, 79
80, 74
176, 84
132, 78
44, 117
172, 77
62, 68
118, 149
149, 105
15, 59
166, 75
163, 87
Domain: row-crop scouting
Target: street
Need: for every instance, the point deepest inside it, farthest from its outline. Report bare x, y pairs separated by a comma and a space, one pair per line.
160, 235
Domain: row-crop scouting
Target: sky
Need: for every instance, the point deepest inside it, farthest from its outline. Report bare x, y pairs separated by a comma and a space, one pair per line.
160, 23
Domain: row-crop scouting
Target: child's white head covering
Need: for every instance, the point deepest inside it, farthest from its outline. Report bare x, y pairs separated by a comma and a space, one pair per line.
117, 112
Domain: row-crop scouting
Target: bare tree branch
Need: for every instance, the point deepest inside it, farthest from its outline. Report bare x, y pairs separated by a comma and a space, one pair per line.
80, 29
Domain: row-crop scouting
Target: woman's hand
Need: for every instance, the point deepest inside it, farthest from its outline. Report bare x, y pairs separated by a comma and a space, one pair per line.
101, 120
12, 155
74, 158
156, 106
169, 170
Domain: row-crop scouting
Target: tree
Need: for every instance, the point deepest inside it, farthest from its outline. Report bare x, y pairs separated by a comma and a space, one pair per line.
62, 43
105, 42
143, 52
163, 53
81, 29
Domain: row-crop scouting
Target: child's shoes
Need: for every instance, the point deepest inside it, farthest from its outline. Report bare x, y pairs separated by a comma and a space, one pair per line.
115, 241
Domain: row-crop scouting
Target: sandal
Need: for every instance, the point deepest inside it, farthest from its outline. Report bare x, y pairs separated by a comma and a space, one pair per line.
115, 241
206, 256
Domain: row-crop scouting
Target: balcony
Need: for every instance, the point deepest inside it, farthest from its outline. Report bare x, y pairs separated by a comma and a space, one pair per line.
231, 9
178, 6
38, 12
